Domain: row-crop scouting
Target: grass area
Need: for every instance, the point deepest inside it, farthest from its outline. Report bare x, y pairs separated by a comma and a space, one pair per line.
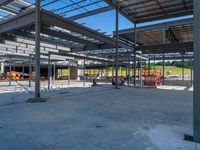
174, 70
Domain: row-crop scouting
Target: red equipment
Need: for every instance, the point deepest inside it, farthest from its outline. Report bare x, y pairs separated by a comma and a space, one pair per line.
152, 78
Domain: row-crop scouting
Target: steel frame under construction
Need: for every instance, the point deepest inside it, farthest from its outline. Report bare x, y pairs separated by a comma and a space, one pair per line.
29, 27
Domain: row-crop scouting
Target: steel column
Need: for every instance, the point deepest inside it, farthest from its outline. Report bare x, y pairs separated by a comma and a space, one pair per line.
49, 74
154, 63
69, 72
30, 70
134, 82
54, 72
116, 55
183, 65
163, 69
191, 73
141, 70
112, 70
37, 49
10, 77
84, 73
196, 82
129, 74
23, 71
164, 41
149, 66
106, 76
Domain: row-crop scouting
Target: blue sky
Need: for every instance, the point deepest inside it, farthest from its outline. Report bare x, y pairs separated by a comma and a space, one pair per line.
104, 21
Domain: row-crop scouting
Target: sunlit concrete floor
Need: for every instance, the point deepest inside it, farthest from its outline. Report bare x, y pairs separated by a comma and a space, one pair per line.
104, 119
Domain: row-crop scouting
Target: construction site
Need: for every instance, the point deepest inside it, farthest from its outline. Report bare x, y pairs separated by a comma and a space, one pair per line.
99, 74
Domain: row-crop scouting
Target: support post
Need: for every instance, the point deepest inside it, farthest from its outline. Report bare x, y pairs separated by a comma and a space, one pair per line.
183, 65
30, 70
164, 41
154, 63
116, 55
69, 71
23, 71
10, 66
163, 69
106, 76
196, 82
191, 73
112, 70
141, 70
54, 72
84, 73
37, 49
49, 74
129, 74
149, 65
135, 40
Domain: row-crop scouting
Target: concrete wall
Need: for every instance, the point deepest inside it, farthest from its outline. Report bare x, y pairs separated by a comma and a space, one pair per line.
186, 83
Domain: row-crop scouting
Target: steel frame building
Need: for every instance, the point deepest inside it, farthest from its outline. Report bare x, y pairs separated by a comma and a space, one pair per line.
29, 26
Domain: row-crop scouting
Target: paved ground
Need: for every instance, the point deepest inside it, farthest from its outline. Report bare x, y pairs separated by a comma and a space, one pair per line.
105, 119
19, 91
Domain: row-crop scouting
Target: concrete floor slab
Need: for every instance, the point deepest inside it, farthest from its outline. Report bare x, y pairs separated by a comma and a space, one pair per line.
104, 119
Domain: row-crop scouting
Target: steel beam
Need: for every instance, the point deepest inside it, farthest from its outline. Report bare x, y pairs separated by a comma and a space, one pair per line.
68, 37
168, 48
115, 6
90, 13
51, 19
5, 2
158, 26
18, 22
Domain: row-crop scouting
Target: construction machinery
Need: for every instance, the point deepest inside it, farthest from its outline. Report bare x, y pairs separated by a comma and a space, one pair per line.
152, 77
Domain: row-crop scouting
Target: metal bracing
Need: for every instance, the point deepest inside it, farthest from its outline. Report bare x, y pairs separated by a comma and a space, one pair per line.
179, 35
50, 19
91, 13
166, 48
